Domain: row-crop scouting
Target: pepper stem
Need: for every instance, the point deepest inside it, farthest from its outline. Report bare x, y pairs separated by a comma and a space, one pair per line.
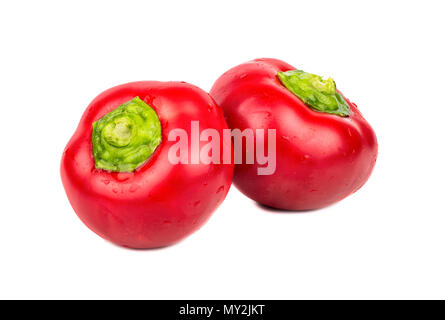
318, 94
126, 137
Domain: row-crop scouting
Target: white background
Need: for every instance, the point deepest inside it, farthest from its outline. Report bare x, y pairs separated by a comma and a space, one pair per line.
385, 241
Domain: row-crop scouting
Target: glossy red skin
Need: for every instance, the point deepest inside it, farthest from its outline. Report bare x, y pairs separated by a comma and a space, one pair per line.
321, 158
160, 203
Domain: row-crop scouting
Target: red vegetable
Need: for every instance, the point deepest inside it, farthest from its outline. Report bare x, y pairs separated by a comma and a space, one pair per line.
325, 149
116, 168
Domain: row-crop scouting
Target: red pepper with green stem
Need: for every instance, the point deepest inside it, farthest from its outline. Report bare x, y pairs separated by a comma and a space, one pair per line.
325, 149
116, 168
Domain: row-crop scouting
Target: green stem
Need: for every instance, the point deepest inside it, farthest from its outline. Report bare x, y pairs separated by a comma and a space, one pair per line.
126, 137
318, 94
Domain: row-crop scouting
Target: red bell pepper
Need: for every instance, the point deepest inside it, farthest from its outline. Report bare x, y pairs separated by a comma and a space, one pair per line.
116, 168
325, 149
